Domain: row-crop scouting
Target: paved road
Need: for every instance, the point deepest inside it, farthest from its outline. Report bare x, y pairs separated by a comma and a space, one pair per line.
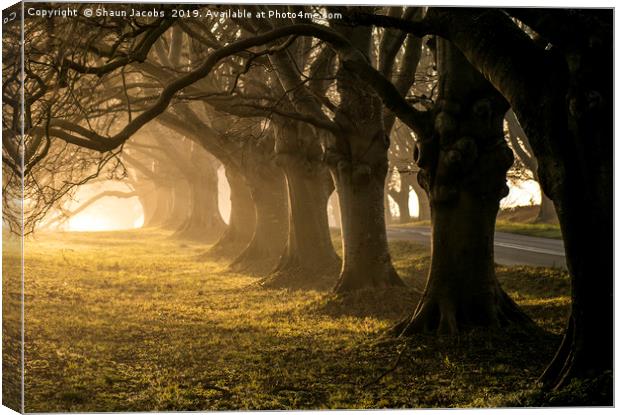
510, 249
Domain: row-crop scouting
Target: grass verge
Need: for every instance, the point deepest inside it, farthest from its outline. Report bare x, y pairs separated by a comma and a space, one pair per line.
132, 321
540, 230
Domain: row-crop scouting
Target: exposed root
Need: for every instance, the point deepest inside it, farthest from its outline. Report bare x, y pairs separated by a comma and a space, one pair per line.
559, 372
348, 282
223, 250
253, 261
321, 279
445, 316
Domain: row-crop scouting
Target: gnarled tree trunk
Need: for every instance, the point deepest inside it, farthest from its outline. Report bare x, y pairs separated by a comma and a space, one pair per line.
309, 259
583, 198
463, 169
564, 102
366, 257
148, 200
358, 160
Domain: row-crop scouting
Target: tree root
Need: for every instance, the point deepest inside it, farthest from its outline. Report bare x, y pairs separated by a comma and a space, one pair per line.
253, 260
200, 234
348, 282
448, 317
391, 369
291, 273
562, 367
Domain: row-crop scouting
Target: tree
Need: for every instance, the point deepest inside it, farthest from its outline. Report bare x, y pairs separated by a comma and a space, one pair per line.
463, 165
559, 86
405, 172
520, 145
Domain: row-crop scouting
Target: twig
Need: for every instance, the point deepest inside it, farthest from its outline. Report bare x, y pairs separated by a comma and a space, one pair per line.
391, 369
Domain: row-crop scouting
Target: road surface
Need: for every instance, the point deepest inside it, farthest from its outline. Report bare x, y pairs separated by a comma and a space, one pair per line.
510, 248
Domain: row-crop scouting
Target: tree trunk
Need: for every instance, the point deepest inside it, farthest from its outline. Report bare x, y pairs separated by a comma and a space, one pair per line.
386, 205
366, 257
179, 206
463, 291
586, 351
564, 101
358, 161
424, 208
204, 223
309, 259
583, 197
463, 169
242, 218
334, 206
401, 198
546, 213
268, 192
158, 204
148, 201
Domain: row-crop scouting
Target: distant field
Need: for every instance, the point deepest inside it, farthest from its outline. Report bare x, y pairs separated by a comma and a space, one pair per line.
126, 321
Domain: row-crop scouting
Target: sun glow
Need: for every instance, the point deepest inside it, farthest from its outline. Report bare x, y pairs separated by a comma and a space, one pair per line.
88, 222
105, 214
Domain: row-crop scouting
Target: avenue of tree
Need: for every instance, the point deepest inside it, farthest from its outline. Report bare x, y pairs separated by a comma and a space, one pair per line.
316, 118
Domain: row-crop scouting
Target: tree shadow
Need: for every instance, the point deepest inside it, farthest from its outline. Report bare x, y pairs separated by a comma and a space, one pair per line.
385, 303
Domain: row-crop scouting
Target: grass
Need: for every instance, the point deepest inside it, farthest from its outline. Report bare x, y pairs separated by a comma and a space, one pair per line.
11, 322
125, 321
541, 230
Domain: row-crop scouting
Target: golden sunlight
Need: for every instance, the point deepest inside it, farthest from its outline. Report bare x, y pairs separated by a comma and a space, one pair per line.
94, 213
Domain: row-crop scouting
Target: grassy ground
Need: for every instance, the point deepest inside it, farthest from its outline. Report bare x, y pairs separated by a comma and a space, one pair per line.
541, 230
131, 321
11, 321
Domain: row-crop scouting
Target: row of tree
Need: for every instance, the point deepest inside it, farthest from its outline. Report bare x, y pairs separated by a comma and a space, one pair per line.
294, 109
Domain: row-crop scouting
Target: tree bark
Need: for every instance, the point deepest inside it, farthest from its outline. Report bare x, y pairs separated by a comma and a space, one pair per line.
179, 203
358, 161
204, 222
366, 257
401, 198
242, 217
567, 112
309, 259
546, 213
463, 169
268, 191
